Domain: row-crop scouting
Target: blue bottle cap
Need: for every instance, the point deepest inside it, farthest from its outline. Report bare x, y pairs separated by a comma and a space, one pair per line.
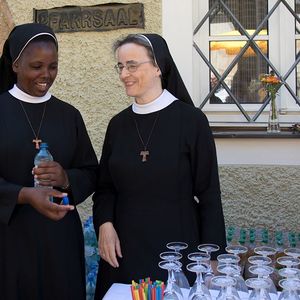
65, 200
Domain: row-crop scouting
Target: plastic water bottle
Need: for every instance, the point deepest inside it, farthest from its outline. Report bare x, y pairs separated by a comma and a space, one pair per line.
42, 156
90, 286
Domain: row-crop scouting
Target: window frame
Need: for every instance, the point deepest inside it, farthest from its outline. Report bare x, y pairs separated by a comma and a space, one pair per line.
280, 24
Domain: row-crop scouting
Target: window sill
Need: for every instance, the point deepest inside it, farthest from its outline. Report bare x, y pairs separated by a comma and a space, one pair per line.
254, 132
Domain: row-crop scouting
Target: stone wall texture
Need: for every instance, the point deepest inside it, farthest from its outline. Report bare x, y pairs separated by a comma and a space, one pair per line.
251, 195
261, 196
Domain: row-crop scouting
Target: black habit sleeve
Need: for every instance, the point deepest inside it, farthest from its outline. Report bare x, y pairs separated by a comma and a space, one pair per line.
82, 174
104, 197
9, 196
207, 186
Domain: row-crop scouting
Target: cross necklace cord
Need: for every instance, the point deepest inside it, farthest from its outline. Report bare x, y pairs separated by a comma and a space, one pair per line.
144, 153
36, 140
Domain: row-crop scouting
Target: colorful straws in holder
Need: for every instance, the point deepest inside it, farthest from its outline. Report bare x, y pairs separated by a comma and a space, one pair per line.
147, 290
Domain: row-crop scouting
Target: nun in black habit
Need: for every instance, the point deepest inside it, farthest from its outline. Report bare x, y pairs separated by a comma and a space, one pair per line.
158, 157
41, 242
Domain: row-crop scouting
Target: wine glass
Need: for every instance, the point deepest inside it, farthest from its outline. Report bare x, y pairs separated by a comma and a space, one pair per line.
289, 289
260, 288
201, 292
180, 277
288, 261
265, 250
172, 256
263, 271
199, 258
289, 273
208, 249
294, 252
234, 272
226, 284
259, 260
239, 251
170, 292
228, 259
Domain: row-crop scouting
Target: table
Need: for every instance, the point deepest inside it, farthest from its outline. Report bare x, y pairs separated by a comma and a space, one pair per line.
120, 291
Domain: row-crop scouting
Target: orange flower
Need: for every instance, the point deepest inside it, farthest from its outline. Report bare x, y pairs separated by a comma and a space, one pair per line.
271, 83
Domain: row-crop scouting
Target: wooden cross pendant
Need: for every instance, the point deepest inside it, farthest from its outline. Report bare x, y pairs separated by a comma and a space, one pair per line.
144, 153
37, 143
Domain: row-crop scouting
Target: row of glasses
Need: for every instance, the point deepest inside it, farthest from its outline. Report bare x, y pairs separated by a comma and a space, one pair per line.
176, 277
290, 284
227, 264
290, 273
232, 281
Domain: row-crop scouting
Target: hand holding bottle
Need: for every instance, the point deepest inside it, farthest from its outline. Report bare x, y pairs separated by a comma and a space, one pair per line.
49, 174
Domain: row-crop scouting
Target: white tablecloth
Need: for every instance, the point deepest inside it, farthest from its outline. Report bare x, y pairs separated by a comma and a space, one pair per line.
120, 291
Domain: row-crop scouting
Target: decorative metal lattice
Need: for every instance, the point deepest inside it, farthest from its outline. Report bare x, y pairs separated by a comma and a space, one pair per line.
252, 44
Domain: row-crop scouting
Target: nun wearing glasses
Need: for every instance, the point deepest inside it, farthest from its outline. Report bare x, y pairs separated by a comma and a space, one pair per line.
158, 175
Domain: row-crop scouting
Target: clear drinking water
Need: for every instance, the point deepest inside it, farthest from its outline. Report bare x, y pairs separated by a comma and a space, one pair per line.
42, 156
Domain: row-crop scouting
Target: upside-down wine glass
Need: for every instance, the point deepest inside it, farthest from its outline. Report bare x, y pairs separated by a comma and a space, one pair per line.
201, 292
226, 284
294, 252
180, 277
258, 260
199, 258
170, 292
263, 271
228, 264
288, 261
239, 251
265, 251
172, 256
208, 249
289, 273
260, 288
289, 289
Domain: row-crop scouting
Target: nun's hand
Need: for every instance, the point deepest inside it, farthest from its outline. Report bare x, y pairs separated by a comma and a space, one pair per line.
39, 199
50, 174
109, 244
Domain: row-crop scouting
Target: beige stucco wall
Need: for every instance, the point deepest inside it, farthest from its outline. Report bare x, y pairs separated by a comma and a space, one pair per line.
251, 195
256, 195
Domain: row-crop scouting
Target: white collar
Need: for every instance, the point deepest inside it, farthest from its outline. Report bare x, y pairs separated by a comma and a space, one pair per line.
164, 100
19, 94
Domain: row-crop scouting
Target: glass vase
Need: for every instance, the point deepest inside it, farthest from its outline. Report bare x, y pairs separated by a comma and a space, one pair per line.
273, 123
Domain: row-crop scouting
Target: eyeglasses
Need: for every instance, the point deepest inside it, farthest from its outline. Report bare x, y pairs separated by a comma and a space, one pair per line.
130, 67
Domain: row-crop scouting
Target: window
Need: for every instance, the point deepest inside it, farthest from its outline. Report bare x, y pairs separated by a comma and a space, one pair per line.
234, 43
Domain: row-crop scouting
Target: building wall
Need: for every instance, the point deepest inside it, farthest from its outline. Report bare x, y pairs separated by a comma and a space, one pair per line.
261, 195
252, 194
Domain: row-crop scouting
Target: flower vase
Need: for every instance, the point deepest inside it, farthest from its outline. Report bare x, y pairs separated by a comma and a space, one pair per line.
273, 123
